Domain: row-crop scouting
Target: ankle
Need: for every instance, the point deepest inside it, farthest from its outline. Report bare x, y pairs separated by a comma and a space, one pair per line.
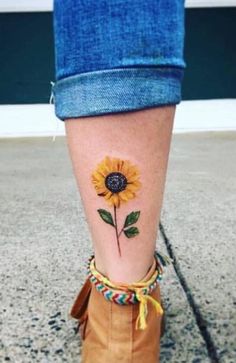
126, 271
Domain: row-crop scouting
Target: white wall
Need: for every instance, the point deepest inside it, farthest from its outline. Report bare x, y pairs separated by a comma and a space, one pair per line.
191, 116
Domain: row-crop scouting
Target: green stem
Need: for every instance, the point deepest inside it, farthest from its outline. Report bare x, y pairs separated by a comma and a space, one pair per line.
120, 232
117, 237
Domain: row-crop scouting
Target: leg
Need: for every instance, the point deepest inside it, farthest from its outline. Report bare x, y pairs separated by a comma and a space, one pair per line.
143, 138
119, 69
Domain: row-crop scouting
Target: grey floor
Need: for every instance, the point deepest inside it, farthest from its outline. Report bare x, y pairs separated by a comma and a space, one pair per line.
45, 243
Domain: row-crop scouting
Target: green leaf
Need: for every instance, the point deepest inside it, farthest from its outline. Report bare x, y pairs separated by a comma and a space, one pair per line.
106, 216
131, 218
131, 232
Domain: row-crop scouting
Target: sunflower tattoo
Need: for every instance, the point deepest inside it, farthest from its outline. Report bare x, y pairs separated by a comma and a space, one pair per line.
117, 181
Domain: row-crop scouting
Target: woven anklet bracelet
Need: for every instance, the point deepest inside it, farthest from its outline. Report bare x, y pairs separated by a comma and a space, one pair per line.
124, 294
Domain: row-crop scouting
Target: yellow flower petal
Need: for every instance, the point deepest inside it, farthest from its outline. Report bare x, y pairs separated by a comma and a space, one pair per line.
113, 200
132, 187
102, 191
129, 194
123, 196
97, 175
116, 200
115, 165
104, 170
132, 178
120, 165
108, 164
108, 195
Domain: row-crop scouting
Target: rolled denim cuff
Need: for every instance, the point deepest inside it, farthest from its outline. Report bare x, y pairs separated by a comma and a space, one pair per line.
116, 90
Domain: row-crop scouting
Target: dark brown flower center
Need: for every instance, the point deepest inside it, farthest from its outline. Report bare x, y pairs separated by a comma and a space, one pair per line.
116, 182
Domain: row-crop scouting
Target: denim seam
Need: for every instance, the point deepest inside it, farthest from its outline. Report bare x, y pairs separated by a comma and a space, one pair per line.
161, 69
116, 90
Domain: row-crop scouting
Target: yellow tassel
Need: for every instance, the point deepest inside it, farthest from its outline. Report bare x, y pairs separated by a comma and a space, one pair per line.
143, 310
141, 319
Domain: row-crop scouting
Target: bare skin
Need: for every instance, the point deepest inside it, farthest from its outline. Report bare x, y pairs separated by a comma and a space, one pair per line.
143, 138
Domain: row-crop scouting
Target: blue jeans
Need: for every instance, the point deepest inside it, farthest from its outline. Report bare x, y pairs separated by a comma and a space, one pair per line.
117, 55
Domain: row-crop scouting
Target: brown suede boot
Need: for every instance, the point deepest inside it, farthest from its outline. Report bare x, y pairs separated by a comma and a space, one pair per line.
109, 330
